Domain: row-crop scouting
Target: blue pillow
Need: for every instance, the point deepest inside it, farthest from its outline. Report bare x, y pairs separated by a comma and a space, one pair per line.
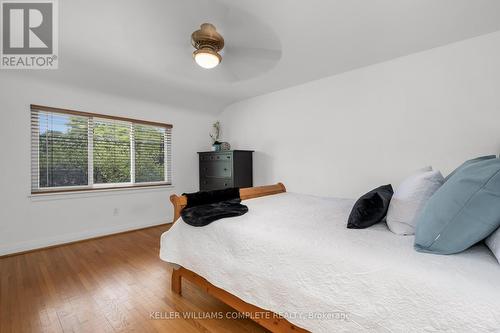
469, 162
462, 212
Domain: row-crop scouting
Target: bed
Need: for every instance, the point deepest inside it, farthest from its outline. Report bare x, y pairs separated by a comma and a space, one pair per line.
292, 256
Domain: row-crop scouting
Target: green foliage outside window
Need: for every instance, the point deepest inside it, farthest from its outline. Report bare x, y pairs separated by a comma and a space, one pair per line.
111, 152
63, 151
149, 153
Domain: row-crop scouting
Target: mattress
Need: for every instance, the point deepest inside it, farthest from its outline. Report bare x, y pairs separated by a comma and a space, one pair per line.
292, 254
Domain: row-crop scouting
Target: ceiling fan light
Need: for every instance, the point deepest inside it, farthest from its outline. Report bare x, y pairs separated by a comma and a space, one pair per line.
207, 58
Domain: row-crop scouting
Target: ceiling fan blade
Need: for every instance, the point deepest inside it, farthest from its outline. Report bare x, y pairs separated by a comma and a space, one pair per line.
247, 63
254, 53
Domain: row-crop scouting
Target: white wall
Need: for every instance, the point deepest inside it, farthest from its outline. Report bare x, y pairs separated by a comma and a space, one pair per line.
346, 134
338, 136
27, 223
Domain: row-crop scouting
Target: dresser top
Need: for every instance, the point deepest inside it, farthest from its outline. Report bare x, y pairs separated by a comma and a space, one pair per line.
224, 151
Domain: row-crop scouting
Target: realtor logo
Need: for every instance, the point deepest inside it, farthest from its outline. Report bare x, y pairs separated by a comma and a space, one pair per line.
29, 34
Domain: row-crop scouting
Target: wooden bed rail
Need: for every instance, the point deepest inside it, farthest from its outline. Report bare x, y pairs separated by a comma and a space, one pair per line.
180, 201
265, 318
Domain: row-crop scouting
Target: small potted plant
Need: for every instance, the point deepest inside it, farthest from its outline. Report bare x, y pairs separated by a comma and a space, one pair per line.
215, 135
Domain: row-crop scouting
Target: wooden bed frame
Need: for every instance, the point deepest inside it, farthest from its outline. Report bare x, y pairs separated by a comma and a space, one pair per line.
265, 318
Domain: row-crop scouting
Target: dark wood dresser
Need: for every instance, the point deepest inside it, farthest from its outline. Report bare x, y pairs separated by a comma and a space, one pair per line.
224, 169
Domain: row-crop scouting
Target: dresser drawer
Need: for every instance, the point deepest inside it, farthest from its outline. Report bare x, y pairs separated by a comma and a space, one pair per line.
223, 169
216, 157
209, 184
217, 169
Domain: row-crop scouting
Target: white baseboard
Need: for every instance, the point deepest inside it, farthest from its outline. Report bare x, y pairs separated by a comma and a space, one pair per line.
72, 237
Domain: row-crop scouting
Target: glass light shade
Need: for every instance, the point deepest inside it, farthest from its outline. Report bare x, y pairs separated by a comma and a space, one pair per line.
206, 58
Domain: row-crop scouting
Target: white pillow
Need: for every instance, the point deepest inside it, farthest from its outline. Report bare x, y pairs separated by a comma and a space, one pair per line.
424, 169
493, 243
409, 198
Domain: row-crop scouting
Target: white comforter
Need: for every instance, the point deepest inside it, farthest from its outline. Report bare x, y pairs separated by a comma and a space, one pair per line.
292, 254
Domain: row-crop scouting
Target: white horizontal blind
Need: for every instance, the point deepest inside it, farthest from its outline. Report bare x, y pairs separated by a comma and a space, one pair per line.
151, 145
112, 150
168, 155
75, 151
59, 150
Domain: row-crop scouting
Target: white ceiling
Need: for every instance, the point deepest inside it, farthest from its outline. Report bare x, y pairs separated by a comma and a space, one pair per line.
141, 49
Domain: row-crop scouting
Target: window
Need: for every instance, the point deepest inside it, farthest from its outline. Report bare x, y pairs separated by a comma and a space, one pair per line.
112, 151
73, 150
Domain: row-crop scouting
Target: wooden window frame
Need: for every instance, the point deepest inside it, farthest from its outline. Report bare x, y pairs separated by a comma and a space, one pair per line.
91, 187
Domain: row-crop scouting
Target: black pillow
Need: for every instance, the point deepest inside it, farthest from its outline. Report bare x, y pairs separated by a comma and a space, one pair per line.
371, 208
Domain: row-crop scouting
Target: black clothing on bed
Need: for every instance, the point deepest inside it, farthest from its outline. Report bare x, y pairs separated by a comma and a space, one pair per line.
208, 197
200, 216
207, 206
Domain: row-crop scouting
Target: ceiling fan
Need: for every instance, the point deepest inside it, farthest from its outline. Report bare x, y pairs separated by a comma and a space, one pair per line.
207, 42
235, 44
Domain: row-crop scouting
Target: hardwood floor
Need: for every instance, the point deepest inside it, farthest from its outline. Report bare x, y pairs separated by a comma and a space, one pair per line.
111, 284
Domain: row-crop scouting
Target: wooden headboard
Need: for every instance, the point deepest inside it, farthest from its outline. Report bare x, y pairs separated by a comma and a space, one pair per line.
180, 201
